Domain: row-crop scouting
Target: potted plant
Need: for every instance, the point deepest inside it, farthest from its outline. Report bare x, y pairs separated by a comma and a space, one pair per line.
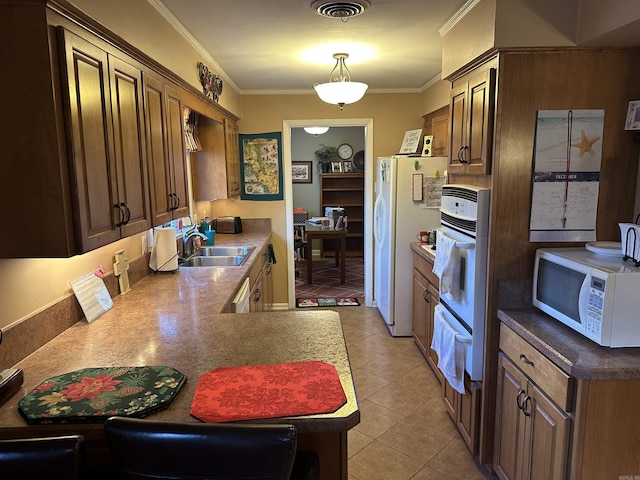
325, 155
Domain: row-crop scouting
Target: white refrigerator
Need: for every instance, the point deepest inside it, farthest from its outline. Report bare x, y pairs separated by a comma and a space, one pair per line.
397, 219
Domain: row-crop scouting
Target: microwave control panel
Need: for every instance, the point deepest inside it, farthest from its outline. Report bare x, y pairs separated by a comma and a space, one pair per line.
595, 307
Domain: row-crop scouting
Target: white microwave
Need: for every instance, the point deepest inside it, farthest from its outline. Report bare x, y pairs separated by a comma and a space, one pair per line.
596, 295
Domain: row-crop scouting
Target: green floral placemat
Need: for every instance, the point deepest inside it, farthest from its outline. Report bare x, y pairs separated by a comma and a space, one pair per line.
92, 395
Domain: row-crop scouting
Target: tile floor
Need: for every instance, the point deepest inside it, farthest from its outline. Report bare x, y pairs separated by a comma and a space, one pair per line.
405, 432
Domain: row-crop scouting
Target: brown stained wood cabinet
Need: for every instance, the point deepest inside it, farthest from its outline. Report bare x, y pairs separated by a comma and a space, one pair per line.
104, 112
425, 299
437, 124
166, 155
532, 432
464, 410
261, 282
216, 169
232, 158
472, 107
345, 190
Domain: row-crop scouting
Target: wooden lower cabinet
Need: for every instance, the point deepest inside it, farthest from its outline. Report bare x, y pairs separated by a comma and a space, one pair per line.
533, 425
261, 282
532, 433
463, 409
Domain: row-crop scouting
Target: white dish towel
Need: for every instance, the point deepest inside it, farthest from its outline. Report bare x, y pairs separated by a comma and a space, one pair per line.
447, 266
450, 350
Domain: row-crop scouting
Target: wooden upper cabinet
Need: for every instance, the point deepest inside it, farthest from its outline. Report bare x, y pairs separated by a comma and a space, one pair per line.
129, 140
165, 152
232, 157
104, 110
471, 123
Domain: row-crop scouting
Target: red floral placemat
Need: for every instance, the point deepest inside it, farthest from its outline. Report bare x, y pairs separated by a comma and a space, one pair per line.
92, 395
267, 391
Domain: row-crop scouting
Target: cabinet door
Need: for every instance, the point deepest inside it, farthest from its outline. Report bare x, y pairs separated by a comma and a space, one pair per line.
509, 431
450, 397
257, 297
457, 127
432, 356
267, 286
468, 415
175, 148
232, 157
88, 111
479, 126
421, 309
157, 155
440, 130
548, 437
128, 134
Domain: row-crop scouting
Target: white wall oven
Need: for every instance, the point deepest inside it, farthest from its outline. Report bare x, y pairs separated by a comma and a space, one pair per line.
464, 218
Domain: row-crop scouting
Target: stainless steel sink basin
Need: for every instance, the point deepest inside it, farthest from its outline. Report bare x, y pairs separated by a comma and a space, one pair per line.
218, 261
224, 251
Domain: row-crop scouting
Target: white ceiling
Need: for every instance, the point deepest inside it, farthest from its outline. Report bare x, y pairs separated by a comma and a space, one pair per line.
283, 45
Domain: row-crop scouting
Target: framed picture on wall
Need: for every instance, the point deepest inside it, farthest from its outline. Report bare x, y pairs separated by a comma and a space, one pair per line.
336, 167
301, 172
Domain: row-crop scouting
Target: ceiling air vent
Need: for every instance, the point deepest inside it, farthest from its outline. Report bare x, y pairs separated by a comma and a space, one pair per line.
341, 10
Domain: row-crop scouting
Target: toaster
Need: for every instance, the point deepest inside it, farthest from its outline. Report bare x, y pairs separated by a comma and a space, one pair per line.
228, 225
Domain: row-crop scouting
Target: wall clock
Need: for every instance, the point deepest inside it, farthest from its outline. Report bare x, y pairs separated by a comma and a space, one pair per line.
345, 151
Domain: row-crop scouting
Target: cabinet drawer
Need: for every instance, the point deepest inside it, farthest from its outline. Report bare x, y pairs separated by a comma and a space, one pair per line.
426, 269
541, 371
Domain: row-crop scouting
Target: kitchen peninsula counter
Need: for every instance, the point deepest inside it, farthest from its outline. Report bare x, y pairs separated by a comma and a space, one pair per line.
175, 320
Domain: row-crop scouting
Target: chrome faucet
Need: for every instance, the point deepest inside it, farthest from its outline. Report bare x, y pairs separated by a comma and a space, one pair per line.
188, 241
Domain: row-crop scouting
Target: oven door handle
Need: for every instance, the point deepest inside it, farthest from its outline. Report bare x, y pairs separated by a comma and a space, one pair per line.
466, 245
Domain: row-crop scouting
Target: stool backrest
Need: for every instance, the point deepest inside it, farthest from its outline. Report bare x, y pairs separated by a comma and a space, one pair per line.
60, 457
144, 449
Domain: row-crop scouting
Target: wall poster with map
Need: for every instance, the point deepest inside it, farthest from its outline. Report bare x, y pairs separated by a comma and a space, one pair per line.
261, 166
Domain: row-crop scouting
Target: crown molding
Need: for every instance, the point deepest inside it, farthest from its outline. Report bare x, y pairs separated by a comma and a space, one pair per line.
177, 25
456, 17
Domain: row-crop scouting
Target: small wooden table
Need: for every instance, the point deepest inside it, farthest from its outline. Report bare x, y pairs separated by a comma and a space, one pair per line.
313, 231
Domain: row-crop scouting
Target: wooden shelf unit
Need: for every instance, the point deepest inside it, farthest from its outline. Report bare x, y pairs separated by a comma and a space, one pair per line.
345, 190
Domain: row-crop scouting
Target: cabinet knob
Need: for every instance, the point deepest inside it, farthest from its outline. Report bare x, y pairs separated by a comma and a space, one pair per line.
524, 359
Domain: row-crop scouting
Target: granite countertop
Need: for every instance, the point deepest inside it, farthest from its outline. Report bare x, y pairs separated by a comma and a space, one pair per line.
575, 354
175, 320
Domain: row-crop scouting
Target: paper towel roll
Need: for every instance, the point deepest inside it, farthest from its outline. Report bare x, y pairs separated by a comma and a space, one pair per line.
164, 255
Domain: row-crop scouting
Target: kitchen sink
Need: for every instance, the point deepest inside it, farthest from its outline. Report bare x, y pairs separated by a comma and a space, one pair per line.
224, 251
218, 261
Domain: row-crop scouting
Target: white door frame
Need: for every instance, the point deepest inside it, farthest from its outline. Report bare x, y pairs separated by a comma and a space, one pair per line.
367, 123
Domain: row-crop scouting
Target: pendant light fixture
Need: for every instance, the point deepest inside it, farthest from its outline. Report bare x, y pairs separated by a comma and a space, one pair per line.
340, 90
316, 130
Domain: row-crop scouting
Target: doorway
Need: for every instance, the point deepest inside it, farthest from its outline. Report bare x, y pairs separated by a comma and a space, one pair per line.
367, 123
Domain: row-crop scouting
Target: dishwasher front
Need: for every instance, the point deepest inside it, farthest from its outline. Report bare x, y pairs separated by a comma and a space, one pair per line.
242, 299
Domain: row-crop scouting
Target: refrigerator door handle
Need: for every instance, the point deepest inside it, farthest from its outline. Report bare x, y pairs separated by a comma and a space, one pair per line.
377, 221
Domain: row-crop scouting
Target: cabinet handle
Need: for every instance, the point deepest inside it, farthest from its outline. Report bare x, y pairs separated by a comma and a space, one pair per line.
122, 215
518, 402
461, 159
257, 295
425, 296
524, 359
124, 205
527, 401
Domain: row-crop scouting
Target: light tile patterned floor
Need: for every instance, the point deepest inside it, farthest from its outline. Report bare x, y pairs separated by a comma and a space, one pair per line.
405, 432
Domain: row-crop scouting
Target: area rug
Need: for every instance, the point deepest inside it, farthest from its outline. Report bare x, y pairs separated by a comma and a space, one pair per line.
327, 302
326, 279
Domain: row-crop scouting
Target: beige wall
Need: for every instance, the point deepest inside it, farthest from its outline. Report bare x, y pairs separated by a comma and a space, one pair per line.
435, 96
393, 115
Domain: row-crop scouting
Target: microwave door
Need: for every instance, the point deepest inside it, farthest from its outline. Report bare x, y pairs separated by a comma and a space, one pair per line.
584, 299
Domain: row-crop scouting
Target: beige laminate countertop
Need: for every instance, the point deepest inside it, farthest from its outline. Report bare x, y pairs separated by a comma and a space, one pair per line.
425, 251
175, 320
575, 354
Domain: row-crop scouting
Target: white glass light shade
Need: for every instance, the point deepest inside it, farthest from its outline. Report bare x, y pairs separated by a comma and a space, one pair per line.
316, 130
341, 93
